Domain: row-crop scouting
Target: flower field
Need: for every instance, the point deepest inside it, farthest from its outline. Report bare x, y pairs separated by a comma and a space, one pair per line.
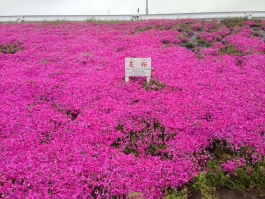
72, 128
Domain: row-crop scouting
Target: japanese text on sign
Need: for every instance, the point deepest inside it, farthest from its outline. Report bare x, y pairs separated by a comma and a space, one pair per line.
137, 67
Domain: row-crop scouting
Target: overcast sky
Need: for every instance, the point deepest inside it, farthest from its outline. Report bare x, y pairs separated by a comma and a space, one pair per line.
112, 7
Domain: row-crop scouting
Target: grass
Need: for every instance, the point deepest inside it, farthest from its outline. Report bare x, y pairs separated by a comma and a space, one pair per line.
113, 21
248, 176
229, 50
232, 22
56, 22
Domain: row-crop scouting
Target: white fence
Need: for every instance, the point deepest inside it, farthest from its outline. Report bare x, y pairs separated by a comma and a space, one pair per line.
202, 15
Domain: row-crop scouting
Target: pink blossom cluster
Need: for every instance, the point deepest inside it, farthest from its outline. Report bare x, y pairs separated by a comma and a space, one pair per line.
231, 166
64, 105
247, 45
251, 23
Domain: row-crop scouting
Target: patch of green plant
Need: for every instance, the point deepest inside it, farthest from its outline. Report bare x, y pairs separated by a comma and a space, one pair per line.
142, 29
177, 194
202, 42
91, 20
160, 28
136, 195
183, 38
243, 177
190, 44
184, 25
246, 176
10, 48
55, 22
98, 21
153, 135
203, 25
208, 44
187, 30
154, 85
215, 26
232, 22
202, 184
258, 22
230, 50
214, 29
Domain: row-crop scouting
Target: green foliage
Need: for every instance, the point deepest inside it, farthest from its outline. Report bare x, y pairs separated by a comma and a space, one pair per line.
56, 22
214, 29
190, 44
183, 38
181, 194
184, 27
232, 22
10, 48
245, 176
249, 176
197, 44
187, 30
160, 28
230, 50
98, 21
136, 195
258, 22
204, 186
156, 142
202, 42
142, 29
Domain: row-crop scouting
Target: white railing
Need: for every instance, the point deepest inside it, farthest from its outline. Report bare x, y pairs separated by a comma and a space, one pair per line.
201, 15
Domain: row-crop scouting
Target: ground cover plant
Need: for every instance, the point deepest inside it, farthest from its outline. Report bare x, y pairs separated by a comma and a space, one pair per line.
72, 128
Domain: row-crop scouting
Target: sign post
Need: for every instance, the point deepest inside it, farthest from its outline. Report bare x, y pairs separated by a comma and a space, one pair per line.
137, 67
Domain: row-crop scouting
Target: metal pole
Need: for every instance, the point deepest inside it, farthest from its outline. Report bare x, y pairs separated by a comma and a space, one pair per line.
147, 7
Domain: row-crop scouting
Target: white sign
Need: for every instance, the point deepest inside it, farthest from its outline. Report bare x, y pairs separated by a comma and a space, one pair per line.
136, 67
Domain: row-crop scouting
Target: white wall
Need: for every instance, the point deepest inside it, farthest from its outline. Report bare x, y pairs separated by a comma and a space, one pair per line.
105, 7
